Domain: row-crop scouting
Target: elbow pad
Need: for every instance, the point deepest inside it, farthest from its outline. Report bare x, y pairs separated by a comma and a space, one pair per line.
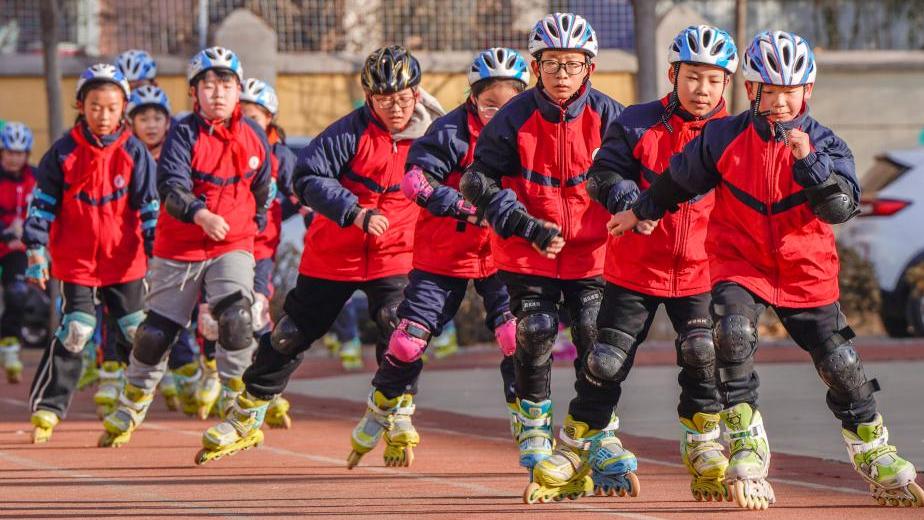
181, 204
477, 188
831, 201
417, 186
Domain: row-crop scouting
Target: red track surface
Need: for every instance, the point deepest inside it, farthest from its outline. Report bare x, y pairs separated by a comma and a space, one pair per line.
466, 468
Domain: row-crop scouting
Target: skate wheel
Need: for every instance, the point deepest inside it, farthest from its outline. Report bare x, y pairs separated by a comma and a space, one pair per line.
353, 459
635, 485
203, 456
531, 495
917, 493
737, 491
203, 412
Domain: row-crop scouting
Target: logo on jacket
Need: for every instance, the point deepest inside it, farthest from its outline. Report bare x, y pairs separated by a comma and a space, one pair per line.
119, 181
253, 162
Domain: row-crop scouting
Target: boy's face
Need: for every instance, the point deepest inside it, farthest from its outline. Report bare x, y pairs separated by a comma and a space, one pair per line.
150, 125
257, 113
699, 87
780, 103
12, 161
491, 99
217, 95
102, 107
572, 68
396, 109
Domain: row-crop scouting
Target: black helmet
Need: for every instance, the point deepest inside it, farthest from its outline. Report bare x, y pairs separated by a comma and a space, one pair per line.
390, 69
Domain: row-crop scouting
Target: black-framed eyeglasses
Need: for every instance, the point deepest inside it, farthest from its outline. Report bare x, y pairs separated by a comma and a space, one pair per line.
573, 68
389, 102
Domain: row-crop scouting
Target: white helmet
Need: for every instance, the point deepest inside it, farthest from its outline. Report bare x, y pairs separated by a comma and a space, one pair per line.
565, 31
16, 137
148, 95
102, 73
137, 65
779, 58
704, 44
261, 93
498, 62
214, 58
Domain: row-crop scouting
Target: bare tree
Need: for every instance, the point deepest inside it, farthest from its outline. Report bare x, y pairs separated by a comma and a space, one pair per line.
646, 24
739, 95
50, 15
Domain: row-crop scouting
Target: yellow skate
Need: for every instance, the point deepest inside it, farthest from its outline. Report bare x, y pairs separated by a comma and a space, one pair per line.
390, 418
9, 351
169, 390
208, 391
240, 431
111, 382
229, 391
703, 457
44, 422
187, 380
133, 406
891, 478
277, 414
351, 355
749, 460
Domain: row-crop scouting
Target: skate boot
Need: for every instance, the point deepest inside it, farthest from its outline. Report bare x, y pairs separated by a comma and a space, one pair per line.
44, 422
749, 458
89, 373
513, 412
133, 406
390, 418
239, 431
533, 431
209, 390
703, 457
187, 381
332, 344
168, 389
890, 477
351, 355
587, 461
447, 343
229, 391
111, 382
9, 351
277, 415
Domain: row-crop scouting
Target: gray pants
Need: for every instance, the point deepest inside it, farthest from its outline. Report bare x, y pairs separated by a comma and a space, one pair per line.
175, 288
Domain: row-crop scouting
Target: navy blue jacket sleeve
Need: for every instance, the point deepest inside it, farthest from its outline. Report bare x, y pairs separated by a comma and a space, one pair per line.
286, 165
46, 196
830, 156
261, 186
439, 153
317, 172
144, 188
174, 172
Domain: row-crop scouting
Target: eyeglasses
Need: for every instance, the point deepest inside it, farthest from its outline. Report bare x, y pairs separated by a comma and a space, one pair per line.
387, 103
488, 111
573, 68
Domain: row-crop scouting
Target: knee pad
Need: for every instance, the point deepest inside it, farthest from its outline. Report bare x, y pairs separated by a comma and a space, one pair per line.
696, 351
235, 323
387, 318
584, 329
76, 330
536, 335
408, 341
153, 338
606, 360
287, 338
128, 325
506, 336
206, 324
840, 368
735, 343
260, 311
15, 295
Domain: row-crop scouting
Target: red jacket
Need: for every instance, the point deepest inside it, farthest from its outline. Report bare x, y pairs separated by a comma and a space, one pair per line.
672, 261
541, 151
94, 194
445, 245
355, 162
15, 194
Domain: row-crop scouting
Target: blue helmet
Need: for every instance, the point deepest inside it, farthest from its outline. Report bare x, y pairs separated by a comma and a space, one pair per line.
214, 58
261, 93
102, 73
148, 95
137, 65
563, 31
498, 62
779, 58
704, 44
16, 137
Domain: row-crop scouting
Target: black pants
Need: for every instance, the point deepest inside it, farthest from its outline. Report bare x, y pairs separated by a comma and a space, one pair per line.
14, 293
538, 294
59, 369
632, 313
810, 328
313, 305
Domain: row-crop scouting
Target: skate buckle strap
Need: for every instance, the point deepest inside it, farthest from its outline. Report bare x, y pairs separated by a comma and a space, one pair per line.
136, 406
859, 447
405, 410
578, 444
540, 422
704, 436
753, 431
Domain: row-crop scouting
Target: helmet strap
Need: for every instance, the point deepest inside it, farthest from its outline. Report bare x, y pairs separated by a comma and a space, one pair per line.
673, 102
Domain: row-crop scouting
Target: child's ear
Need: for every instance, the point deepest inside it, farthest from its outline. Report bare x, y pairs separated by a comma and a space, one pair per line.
80, 106
751, 87
670, 73
534, 66
192, 92
808, 91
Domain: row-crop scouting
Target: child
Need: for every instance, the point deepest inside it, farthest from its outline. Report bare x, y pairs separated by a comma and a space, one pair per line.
94, 206
351, 175
260, 103
669, 267
780, 180
529, 180
214, 179
451, 248
16, 182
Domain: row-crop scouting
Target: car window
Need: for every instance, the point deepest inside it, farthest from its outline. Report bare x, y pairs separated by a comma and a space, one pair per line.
883, 172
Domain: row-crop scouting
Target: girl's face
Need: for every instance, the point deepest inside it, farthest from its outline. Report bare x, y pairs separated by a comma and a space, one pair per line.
150, 125
699, 87
259, 114
780, 103
217, 95
396, 109
562, 72
491, 99
102, 107
11, 161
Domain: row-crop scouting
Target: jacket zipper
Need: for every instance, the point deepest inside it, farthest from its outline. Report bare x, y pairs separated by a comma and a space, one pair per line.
773, 245
562, 168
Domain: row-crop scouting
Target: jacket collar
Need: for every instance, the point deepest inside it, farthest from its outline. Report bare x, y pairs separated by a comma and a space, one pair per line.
570, 109
762, 124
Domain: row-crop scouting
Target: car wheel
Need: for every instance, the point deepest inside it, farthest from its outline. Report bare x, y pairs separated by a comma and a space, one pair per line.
915, 313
